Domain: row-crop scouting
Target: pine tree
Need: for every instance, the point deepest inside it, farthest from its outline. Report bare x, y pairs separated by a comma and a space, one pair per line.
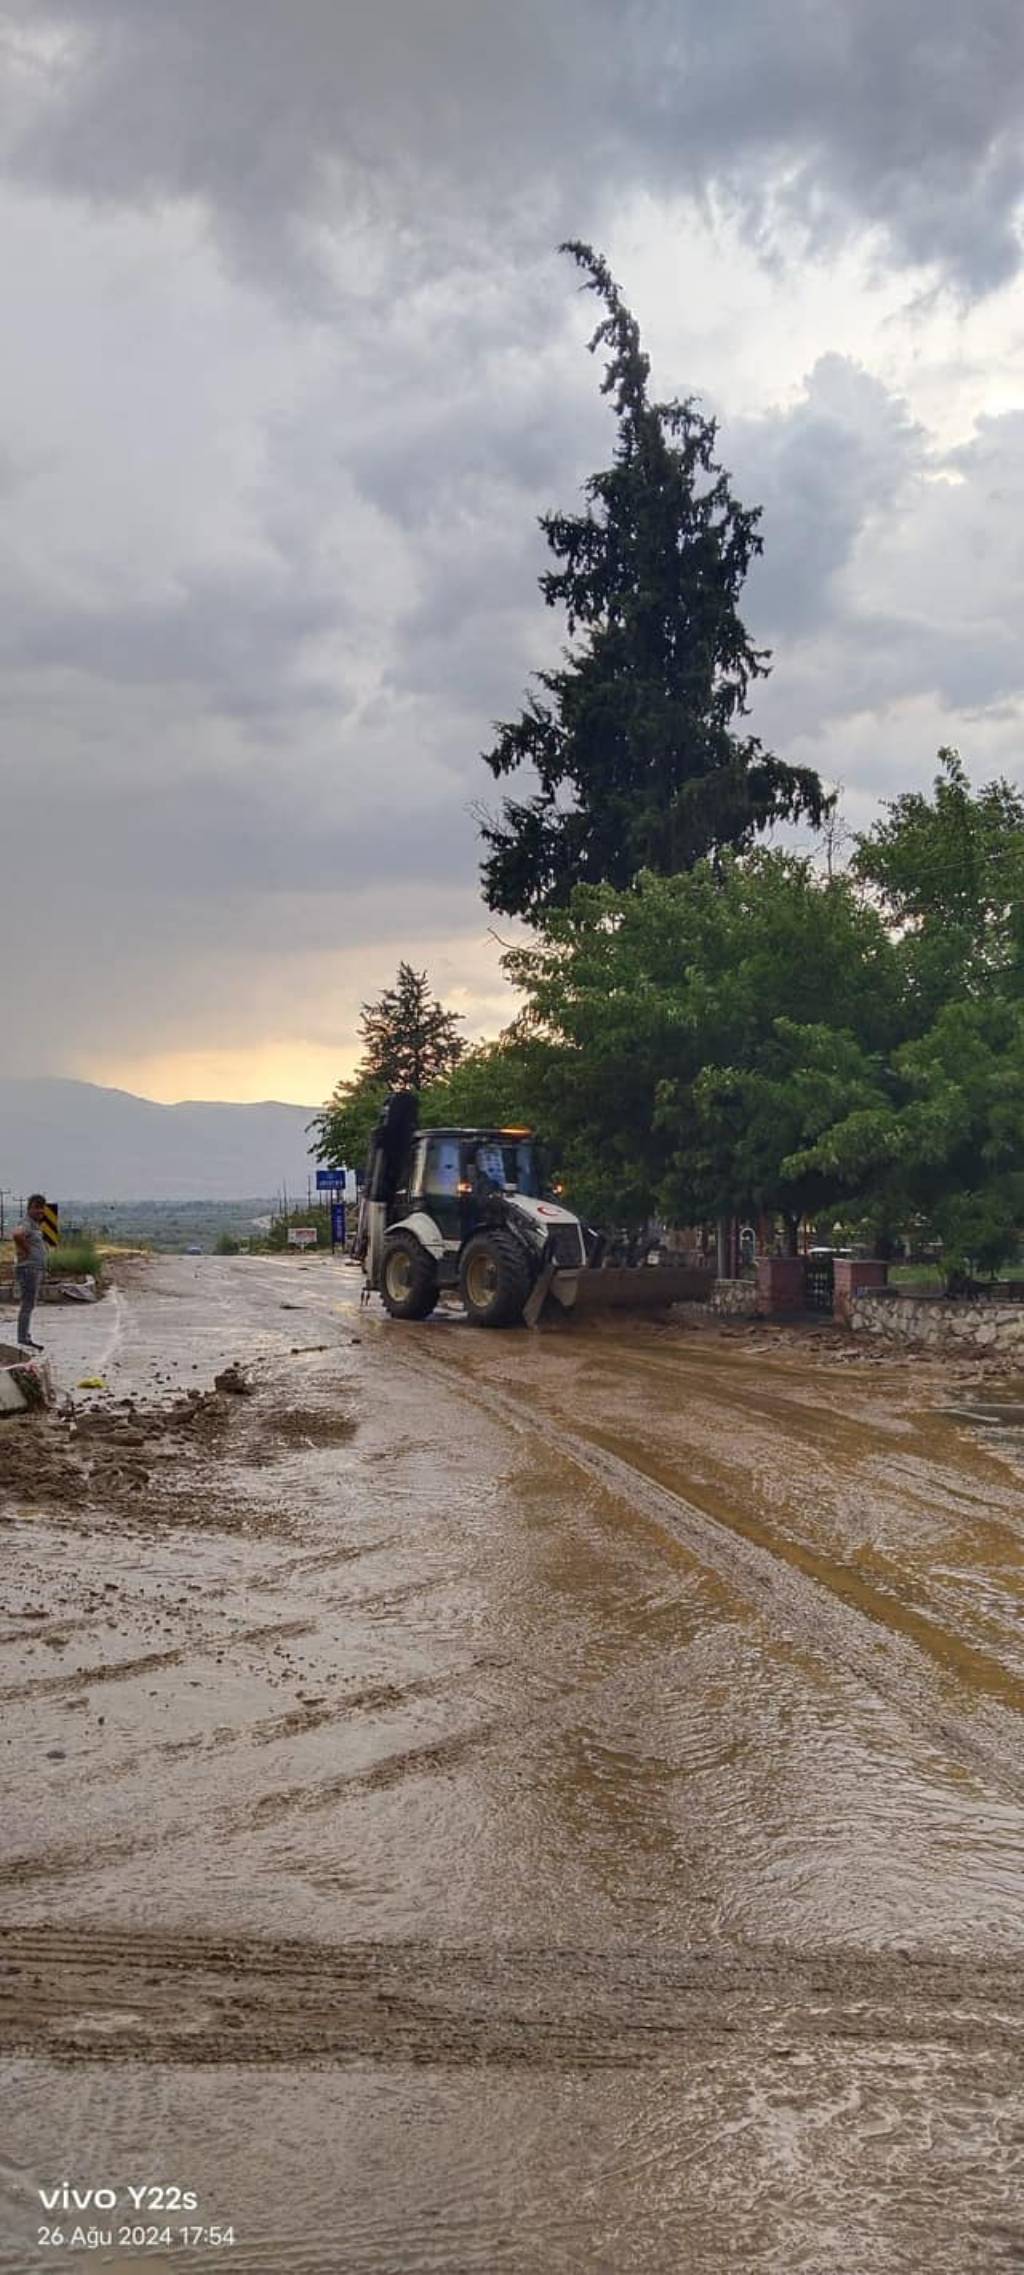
409, 1039
632, 740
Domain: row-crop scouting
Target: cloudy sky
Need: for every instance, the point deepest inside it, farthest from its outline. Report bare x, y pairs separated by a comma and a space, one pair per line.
291, 366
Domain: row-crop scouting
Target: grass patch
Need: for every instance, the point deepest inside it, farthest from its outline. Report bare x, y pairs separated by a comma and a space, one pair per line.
931, 1276
73, 1256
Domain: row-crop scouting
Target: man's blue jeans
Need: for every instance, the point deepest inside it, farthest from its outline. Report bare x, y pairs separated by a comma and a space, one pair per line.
28, 1280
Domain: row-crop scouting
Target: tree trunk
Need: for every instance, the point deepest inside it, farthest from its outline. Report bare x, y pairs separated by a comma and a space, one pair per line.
722, 1248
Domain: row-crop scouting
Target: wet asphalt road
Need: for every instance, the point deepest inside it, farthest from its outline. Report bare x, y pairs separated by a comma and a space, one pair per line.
522, 1802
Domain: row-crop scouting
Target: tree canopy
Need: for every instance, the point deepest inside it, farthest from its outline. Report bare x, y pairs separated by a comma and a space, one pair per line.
943, 1144
409, 1041
633, 741
941, 1148
948, 871
701, 1027
757, 1035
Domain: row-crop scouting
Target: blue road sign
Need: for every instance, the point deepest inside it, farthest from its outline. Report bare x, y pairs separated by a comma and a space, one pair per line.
338, 1224
330, 1180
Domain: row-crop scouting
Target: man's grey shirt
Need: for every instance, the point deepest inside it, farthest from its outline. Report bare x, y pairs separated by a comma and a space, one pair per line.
36, 1258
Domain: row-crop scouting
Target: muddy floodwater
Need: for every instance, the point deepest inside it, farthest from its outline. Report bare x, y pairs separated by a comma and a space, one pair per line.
540, 1801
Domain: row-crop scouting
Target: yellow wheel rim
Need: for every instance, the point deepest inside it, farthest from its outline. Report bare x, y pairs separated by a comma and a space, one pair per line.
481, 1281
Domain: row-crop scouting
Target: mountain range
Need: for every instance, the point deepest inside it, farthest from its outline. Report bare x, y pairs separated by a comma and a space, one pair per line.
77, 1141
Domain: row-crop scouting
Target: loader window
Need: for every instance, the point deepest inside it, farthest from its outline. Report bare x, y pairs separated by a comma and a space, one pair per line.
489, 1164
441, 1168
524, 1170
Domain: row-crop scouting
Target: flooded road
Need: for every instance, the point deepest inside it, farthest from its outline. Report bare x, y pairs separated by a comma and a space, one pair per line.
521, 1801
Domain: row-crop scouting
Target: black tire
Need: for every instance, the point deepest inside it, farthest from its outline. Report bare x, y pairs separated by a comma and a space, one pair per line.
494, 1279
408, 1277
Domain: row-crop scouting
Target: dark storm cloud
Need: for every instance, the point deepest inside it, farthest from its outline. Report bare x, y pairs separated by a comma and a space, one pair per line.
846, 451
223, 841
304, 370
901, 115
895, 115
891, 571
237, 642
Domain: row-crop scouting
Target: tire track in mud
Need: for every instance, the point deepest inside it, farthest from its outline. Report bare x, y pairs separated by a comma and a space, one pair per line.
307, 1565
433, 1757
306, 1800
299, 1721
805, 1596
891, 1444
150, 1662
770, 1398
900, 1466
87, 1994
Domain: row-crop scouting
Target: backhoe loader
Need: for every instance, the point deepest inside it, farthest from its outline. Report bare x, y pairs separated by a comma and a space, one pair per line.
470, 1210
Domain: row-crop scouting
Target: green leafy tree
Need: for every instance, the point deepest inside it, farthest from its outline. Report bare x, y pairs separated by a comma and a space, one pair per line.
633, 741
945, 1147
493, 1085
754, 1121
949, 874
942, 1145
341, 1132
695, 1031
409, 1040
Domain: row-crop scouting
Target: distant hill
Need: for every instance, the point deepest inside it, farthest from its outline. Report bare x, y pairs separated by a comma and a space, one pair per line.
80, 1142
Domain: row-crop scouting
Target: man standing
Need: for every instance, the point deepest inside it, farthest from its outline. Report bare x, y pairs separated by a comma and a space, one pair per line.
30, 1269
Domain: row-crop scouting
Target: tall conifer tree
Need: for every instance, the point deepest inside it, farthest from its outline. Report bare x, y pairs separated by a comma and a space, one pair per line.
634, 741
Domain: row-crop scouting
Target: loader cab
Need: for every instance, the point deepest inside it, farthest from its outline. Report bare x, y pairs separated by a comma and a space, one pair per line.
453, 1174
525, 1171
434, 1180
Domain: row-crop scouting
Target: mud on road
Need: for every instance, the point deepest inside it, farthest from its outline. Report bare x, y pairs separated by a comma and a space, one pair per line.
567, 1788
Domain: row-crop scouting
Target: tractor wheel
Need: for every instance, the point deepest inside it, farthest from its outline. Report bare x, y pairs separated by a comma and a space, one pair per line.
408, 1277
494, 1279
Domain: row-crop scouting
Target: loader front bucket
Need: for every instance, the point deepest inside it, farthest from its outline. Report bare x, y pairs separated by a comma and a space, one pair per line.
622, 1287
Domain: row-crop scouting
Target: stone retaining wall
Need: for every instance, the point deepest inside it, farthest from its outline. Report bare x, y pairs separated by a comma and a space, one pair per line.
940, 1322
734, 1299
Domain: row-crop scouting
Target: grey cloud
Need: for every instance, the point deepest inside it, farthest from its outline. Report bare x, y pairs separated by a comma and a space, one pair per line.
269, 745
479, 623
894, 114
213, 844
178, 909
891, 115
819, 471
994, 457
912, 594
237, 642
468, 450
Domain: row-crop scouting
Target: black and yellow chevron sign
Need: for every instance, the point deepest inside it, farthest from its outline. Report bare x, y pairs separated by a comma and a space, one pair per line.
50, 1227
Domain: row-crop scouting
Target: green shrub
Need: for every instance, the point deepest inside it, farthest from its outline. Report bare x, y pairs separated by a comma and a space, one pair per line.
73, 1256
225, 1244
